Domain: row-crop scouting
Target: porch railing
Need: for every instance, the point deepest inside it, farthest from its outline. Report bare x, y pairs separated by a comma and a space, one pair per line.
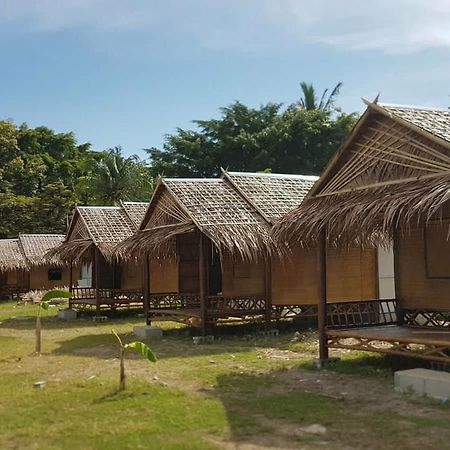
106, 294
218, 305
173, 300
362, 313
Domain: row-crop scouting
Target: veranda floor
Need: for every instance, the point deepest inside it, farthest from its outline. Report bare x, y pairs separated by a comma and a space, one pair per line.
423, 343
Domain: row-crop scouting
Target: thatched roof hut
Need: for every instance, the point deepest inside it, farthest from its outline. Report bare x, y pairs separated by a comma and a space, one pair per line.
392, 172
28, 250
235, 212
11, 256
388, 183
102, 227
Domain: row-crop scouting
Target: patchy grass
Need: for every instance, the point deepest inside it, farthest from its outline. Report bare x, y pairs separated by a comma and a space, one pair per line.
234, 393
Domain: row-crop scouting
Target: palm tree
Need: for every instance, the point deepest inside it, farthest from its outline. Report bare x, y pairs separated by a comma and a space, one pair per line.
310, 99
113, 176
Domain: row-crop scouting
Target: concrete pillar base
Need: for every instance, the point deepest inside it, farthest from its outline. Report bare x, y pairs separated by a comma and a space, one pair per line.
148, 333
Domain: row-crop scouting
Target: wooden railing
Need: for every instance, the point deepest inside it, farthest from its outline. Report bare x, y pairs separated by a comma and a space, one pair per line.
218, 305
107, 295
362, 313
12, 292
174, 300
425, 318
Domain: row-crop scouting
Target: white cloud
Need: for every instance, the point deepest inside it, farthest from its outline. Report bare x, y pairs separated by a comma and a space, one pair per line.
400, 26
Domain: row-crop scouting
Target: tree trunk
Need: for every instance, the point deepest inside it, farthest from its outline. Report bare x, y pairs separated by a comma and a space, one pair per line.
38, 335
122, 370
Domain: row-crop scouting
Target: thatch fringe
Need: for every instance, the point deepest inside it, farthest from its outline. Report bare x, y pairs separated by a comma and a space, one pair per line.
367, 216
157, 242
72, 251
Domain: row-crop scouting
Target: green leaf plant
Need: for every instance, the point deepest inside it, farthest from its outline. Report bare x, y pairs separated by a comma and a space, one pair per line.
139, 347
43, 305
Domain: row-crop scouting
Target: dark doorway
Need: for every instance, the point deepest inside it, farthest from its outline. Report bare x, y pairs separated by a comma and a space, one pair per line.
215, 272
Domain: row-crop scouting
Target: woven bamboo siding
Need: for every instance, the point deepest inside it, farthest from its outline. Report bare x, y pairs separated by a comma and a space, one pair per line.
16, 278
351, 274
131, 275
163, 276
39, 279
415, 289
296, 280
242, 277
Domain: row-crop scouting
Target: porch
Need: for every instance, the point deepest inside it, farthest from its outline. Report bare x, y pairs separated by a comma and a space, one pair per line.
105, 298
381, 326
188, 308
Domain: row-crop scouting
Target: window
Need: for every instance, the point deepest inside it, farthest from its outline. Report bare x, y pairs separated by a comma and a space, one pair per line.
54, 274
437, 249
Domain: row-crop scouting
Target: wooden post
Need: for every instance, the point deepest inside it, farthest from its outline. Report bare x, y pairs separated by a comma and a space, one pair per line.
268, 290
395, 249
146, 292
202, 283
96, 268
322, 305
70, 282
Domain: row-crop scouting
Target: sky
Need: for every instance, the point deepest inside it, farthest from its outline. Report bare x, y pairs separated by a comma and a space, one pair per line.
129, 72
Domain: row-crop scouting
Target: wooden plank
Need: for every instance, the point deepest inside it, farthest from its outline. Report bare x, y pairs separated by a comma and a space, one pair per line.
322, 305
202, 283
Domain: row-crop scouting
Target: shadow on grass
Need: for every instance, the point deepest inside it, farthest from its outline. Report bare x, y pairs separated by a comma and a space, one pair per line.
266, 410
28, 322
104, 346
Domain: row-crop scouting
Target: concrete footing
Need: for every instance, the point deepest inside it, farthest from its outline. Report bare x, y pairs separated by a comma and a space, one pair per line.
147, 332
431, 383
67, 314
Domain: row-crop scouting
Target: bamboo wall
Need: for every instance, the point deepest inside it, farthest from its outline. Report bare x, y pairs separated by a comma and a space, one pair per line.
163, 276
39, 278
131, 275
242, 277
351, 276
423, 271
17, 277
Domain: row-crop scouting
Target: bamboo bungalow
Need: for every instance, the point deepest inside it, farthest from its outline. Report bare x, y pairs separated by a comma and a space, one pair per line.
389, 182
207, 243
93, 233
24, 267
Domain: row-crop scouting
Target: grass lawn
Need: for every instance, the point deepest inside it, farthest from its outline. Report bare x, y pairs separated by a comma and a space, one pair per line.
235, 393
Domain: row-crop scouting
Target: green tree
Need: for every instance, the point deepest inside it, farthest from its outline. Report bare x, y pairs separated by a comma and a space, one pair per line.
311, 101
116, 177
293, 140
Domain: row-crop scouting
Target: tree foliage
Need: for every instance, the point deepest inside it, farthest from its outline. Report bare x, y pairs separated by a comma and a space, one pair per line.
43, 174
292, 140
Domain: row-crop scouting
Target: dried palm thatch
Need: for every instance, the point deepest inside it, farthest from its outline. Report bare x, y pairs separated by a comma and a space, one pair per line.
393, 172
135, 211
273, 195
234, 212
36, 246
102, 227
210, 205
11, 257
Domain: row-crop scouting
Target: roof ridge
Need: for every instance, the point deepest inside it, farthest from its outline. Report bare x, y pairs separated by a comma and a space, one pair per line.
275, 175
415, 107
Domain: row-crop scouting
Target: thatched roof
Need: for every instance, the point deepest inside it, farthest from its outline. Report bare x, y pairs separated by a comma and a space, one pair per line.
135, 211
101, 226
28, 250
11, 257
393, 171
272, 194
235, 212
36, 246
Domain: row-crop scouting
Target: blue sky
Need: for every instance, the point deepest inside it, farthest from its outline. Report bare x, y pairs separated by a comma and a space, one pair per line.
127, 72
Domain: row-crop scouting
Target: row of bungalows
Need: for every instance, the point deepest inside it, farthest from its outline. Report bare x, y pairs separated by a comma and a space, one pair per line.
210, 255
389, 183
24, 267
97, 279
